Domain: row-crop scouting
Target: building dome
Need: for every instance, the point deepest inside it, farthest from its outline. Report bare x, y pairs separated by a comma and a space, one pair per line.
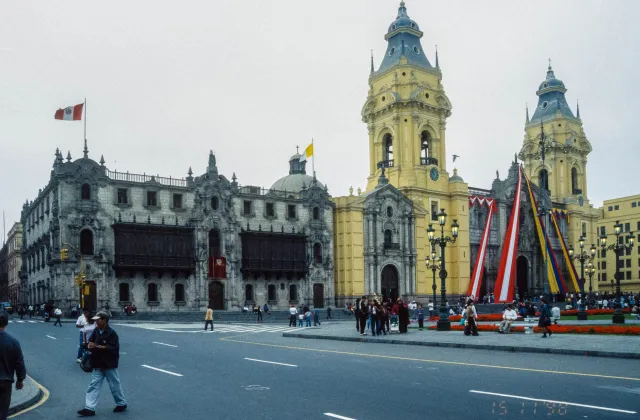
403, 20
551, 99
297, 180
456, 177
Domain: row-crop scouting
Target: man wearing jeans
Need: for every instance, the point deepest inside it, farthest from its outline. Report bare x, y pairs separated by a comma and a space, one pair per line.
11, 363
105, 353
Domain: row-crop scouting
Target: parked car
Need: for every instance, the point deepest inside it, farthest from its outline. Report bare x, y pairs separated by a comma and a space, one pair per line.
7, 307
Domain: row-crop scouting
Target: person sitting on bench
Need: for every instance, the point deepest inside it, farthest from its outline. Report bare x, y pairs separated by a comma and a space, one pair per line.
508, 317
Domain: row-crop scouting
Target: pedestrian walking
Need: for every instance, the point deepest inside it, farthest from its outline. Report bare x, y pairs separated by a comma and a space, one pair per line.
259, 311
329, 312
545, 318
316, 317
11, 365
81, 322
364, 315
57, 314
293, 312
208, 318
471, 318
30, 311
105, 354
420, 315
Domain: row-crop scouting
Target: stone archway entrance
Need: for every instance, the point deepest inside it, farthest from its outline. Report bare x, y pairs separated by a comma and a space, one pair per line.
389, 283
522, 275
216, 295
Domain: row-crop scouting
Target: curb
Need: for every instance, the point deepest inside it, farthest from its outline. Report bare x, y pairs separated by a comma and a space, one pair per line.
28, 403
512, 349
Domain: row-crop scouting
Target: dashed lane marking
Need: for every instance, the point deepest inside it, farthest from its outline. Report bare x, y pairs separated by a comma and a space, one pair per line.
161, 370
164, 344
443, 362
337, 416
271, 363
53, 338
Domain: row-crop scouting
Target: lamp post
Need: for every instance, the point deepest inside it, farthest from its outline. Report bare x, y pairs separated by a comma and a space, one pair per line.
433, 263
618, 247
583, 257
81, 276
443, 323
591, 270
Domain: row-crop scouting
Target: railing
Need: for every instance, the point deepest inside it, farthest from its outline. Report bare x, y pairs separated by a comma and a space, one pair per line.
386, 163
147, 261
428, 161
389, 245
479, 192
252, 190
577, 191
127, 177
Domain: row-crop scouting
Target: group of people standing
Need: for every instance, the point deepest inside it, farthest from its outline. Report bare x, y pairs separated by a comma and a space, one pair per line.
375, 316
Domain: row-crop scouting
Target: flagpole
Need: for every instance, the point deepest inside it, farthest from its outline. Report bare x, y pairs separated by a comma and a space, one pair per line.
313, 159
85, 124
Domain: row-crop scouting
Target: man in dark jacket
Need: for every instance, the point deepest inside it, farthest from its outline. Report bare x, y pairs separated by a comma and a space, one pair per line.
11, 363
105, 353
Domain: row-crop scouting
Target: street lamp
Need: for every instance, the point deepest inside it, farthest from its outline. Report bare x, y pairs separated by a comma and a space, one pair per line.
433, 263
583, 257
618, 247
443, 323
591, 270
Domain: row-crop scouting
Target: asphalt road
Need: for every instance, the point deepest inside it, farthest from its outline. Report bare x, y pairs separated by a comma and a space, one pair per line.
362, 381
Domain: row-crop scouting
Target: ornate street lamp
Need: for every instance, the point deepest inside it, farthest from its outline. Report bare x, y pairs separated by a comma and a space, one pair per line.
443, 323
618, 247
591, 270
583, 257
433, 263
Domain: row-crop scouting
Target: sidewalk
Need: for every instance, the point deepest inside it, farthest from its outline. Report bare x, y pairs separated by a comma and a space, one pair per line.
627, 347
26, 397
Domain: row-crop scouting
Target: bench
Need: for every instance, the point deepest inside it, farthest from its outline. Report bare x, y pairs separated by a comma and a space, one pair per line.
527, 323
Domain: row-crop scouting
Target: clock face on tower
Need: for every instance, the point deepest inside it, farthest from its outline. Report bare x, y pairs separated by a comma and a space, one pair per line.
434, 174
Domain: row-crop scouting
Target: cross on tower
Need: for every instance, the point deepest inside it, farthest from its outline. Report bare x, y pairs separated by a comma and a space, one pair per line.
297, 151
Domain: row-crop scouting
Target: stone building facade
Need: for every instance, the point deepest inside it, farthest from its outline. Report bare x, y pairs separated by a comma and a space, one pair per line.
14, 263
166, 244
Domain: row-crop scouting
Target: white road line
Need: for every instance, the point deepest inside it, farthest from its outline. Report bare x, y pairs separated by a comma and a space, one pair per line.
163, 344
33, 322
271, 363
336, 416
161, 370
21, 322
53, 338
595, 407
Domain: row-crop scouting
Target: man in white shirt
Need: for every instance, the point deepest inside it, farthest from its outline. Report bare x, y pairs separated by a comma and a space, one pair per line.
508, 317
555, 314
81, 323
292, 316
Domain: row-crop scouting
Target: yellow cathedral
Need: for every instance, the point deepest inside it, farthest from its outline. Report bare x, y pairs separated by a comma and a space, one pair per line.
381, 233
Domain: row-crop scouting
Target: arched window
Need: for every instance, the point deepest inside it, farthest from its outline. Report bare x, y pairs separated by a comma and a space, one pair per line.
293, 293
124, 292
214, 202
248, 293
179, 290
316, 213
271, 295
425, 147
388, 149
85, 192
317, 253
152, 292
86, 242
388, 235
575, 185
214, 243
543, 179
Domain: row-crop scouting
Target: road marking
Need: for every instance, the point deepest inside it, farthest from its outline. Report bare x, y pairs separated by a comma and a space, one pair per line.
595, 407
162, 370
336, 416
273, 363
443, 362
45, 397
33, 322
21, 322
53, 338
163, 344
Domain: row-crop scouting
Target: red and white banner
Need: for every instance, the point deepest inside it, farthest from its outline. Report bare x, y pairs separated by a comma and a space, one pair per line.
504, 289
478, 268
70, 113
474, 199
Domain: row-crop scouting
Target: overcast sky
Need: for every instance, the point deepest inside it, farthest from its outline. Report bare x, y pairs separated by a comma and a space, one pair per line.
167, 81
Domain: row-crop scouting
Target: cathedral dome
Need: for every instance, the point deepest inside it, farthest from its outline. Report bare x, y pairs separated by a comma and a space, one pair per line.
403, 40
551, 99
297, 180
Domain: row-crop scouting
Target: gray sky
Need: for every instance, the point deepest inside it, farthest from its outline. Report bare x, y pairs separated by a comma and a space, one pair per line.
166, 81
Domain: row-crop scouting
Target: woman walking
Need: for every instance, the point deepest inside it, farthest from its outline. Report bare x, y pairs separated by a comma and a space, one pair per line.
545, 318
471, 318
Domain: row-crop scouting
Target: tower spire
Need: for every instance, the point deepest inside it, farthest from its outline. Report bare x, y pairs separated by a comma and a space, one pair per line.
527, 108
86, 150
437, 61
372, 69
578, 109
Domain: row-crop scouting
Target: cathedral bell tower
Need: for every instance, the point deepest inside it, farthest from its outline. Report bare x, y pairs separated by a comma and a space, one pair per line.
564, 173
405, 112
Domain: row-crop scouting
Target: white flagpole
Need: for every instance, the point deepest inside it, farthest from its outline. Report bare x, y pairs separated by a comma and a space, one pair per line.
313, 159
85, 124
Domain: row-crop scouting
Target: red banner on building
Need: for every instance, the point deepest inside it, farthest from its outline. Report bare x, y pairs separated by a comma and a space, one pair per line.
217, 267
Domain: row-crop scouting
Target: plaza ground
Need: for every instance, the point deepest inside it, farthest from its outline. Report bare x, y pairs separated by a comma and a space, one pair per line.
174, 371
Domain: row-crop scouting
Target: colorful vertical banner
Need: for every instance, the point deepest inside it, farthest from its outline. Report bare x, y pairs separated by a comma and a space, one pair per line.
478, 268
573, 273
504, 288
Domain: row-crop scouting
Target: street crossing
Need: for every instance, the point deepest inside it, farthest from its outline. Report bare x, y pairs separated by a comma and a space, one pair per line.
218, 328
25, 321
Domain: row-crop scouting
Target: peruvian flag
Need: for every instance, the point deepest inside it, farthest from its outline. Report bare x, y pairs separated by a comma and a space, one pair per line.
70, 113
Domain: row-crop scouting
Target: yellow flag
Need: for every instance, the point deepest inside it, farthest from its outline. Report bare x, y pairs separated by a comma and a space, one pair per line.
308, 152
